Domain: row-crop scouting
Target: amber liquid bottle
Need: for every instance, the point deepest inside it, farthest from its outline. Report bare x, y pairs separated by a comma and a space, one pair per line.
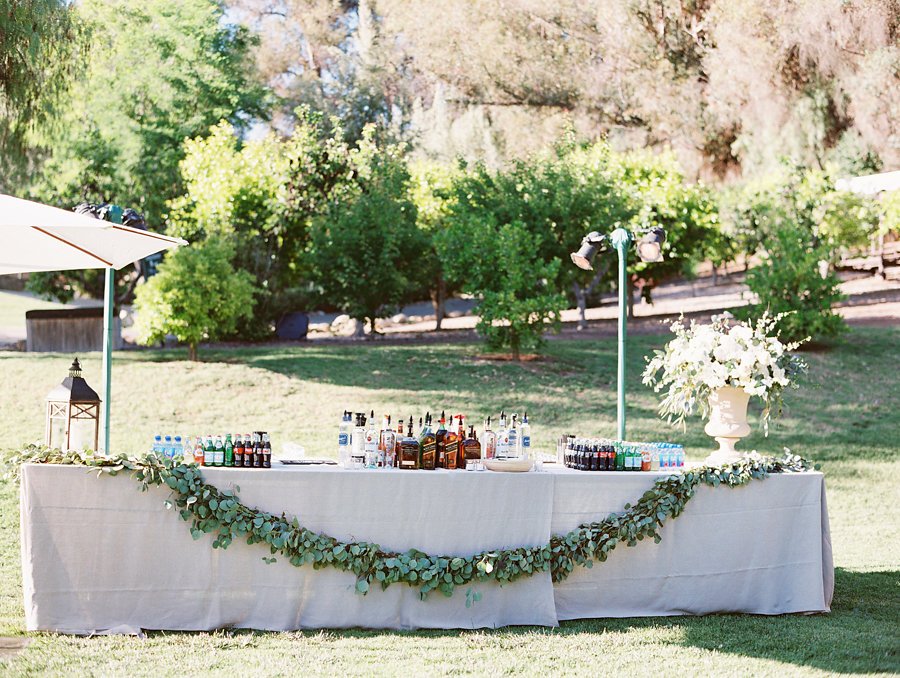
451, 447
461, 437
440, 443
427, 446
409, 449
471, 446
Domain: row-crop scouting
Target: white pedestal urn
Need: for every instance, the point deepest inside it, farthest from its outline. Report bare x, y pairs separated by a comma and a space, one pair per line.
727, 423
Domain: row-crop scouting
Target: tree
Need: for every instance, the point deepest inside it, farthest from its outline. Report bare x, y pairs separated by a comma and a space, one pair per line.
264, 195
158, 72
367, 256
197, 296
41, 52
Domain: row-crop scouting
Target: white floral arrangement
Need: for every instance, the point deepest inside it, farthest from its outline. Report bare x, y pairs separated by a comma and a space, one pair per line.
703, 358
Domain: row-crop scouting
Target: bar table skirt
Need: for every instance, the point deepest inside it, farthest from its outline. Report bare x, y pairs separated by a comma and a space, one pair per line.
100, 556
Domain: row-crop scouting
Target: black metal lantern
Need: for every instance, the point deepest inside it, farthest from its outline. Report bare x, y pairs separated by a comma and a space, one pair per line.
73, 414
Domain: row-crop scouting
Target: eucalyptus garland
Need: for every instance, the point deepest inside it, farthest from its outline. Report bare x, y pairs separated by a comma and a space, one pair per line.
221, 513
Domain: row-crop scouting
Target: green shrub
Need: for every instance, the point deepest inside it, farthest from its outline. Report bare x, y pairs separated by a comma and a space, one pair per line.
196, 295
789, 280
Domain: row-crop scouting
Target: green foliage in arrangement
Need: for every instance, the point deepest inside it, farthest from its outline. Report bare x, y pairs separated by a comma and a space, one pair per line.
366, 255
221, 513
196, 296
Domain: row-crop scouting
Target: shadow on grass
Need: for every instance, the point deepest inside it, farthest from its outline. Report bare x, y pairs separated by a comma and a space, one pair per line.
859, 636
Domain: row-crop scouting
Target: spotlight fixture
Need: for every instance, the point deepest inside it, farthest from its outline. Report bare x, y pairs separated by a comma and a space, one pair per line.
649, 247
588, 250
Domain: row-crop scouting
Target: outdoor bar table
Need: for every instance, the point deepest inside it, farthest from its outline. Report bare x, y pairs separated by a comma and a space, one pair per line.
98, 555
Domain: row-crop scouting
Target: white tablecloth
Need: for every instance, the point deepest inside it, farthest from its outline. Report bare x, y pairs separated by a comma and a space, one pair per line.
99, 555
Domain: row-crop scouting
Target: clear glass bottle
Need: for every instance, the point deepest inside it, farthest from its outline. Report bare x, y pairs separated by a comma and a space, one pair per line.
488, 441
515, 442
502, 438
345, 430
358, 442
371, 443
525, 438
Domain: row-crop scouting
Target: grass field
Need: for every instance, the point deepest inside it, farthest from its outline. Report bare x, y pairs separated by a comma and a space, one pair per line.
14, 304
845, 417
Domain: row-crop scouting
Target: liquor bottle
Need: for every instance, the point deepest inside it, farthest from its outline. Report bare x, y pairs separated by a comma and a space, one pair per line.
440, 442
371, 443
513, 435
266, 461
397, 443
238, 450
427, 446
229, 450
344, 432
502, 439
388, 444
451, 447
358, 441
525, 437
488, 441
471, 446
461, 439
409, 448
198, 451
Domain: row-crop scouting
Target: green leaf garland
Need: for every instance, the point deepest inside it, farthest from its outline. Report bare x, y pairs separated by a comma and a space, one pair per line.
221, 514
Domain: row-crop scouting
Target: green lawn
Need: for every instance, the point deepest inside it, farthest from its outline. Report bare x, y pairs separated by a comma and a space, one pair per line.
845, 417
13, 306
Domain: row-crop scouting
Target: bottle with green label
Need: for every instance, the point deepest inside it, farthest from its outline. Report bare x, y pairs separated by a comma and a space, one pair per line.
229, 450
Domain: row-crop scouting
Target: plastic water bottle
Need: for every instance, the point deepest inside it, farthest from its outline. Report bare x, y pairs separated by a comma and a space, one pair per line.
177, 448
679, 456
157, 445
167, 446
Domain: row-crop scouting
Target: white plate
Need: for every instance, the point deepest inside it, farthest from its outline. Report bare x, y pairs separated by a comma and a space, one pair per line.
510, 465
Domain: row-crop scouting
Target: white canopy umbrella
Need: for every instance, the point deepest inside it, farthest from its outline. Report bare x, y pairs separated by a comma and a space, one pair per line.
36, 237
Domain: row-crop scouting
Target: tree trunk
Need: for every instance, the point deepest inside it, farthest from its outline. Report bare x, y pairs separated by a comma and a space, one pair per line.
192, 351
629, 296
581, 301
439, 301
514, 345
360, 330
581, 293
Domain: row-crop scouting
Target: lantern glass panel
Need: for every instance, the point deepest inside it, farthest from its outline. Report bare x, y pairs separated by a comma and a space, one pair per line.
57, 438
82, 434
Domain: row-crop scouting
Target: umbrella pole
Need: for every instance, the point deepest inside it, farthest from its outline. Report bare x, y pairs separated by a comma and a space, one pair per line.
109, 302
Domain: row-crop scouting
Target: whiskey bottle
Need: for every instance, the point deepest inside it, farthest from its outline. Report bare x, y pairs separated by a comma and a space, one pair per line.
488, 441
471, 446
440, 442
427, 446
461, 437
409, 449
451, 447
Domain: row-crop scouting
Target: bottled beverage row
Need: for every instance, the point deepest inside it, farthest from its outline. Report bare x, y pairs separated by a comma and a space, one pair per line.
248, 450
600, 454
363, 444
